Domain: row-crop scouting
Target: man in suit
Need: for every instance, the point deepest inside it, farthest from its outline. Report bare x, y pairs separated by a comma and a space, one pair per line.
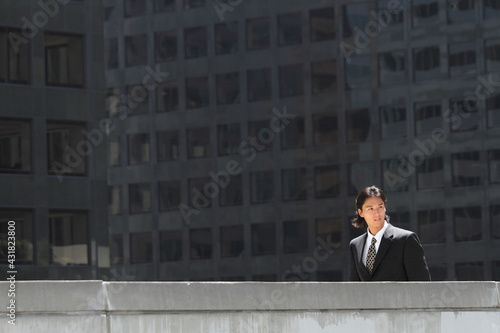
384, 252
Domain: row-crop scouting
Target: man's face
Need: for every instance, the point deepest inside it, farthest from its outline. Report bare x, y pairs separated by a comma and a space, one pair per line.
373, 211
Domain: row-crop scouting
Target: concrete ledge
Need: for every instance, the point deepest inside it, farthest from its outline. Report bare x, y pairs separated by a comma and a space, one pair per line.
97, 306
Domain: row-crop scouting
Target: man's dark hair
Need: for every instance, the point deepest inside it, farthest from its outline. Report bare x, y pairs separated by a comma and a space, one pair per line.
367, 192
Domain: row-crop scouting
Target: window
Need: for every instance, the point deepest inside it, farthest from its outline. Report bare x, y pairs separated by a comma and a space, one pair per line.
165, 46
200, 192
169, 194
111, 52
294, 134
322, 24
139, 198
462, 58
294, 184
138, 148
494, 166
114, 200
425, 13
232, 241
427, 117
197, 92
164, 5
263, 239
295, 236
324, 76
114, 157
401, 219
259, 129
461, 11
290, 29
262, 186
195, 42
190, 4
228, 88
259, 84
495, 221
168, 146
167, 96
327, 181
134, 7
325, 128
68, 238
467, 223
491, 9
393, 121
138, 98
198, 142
64, 64
136, 50
492, 54
258, 33
357, 72
426, 63
466, 169
396, 17
24, 237
170, 245
15, 146
466, 112
201, 243
141, 248
113, 102
329, 230
470, 271
291, 81
358, 175
67, 149
393, 179
14, 57
493, 110
392, 67
432, 226
226, 37
116, 250
354, 16
430, 174
232, 193
358, 125
228, 139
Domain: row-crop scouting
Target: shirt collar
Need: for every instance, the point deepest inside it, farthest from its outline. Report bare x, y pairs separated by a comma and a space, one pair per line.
379, 234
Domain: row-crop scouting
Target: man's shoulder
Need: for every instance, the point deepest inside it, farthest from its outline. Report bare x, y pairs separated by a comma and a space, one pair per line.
358, 239
399, 232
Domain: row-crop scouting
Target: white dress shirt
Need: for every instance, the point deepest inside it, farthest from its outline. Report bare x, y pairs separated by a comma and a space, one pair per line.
378, 237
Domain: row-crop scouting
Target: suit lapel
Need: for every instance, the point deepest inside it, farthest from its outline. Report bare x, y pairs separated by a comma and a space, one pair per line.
360, 248
385, 244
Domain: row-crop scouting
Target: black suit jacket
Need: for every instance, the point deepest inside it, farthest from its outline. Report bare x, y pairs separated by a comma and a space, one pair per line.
400, 257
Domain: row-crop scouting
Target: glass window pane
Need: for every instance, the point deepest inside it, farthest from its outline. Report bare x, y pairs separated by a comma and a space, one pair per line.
141, 248
259, 84
228, 139
294, 184
263, 239
167, 96
14, 57
201, 243
324, 76
232, 241
493, 111
430, 174
466, 112
494, 166
428, 116
22, 225
325, 129
322, 24
462, 58
397, 14
200, 192
190, 4
116, 249
114, 200
169, 194
358, 175
197, 92
470, 271
262, 186
111, 51
138, 148
358, 125
228, 88
294, 134
291, 80
290, 29
495, 221
168, 146
164, 5
392, 67
258, 33
15, 146
425, 13
426, 63
393, 121
327, 181
295, 236
195, 42
232, 193
68, 238
461, 11
260, 130
64, 60
355, 15
467, 222
134, 7
329, 230
136, 50
491, 9
492, 54
466, 169
165, 46
395, 175
226, 37
432, 226
198, 142
170, 245
139, 198
357, 72
137, 99
67, 149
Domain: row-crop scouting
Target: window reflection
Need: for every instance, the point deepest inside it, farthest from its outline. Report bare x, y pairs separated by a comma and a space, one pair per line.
393, 121
293, 135
15, 146
358, 125
427, 117
325, 128
291, 80
167, 96
139, 148
63, 144
329, 229
258, 33
426, 63
263, 239
494, 166
228, 88
24, 238
197, 92
141, 248
425, 13
290, 29
492, 54
462, 58
327, 181
232, 241
322, 24
358, 72
68, 238
114, 200
392, 67
466, 169
226, 37
393, 180
467, 112
168, 146
136, 50
201, 243
295, 236
139, 198
430, 174
170, 245
259, 84
262, 186
195, 42
354, 16
165, 46
461, 11
324, 76
493, 111
14, 61
495, 221
232, 194
64, 60
294, 184
432, 226
169, 194
198, 142
491, 9
228, 138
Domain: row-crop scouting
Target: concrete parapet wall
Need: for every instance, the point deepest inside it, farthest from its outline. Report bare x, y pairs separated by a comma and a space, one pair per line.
97, 306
